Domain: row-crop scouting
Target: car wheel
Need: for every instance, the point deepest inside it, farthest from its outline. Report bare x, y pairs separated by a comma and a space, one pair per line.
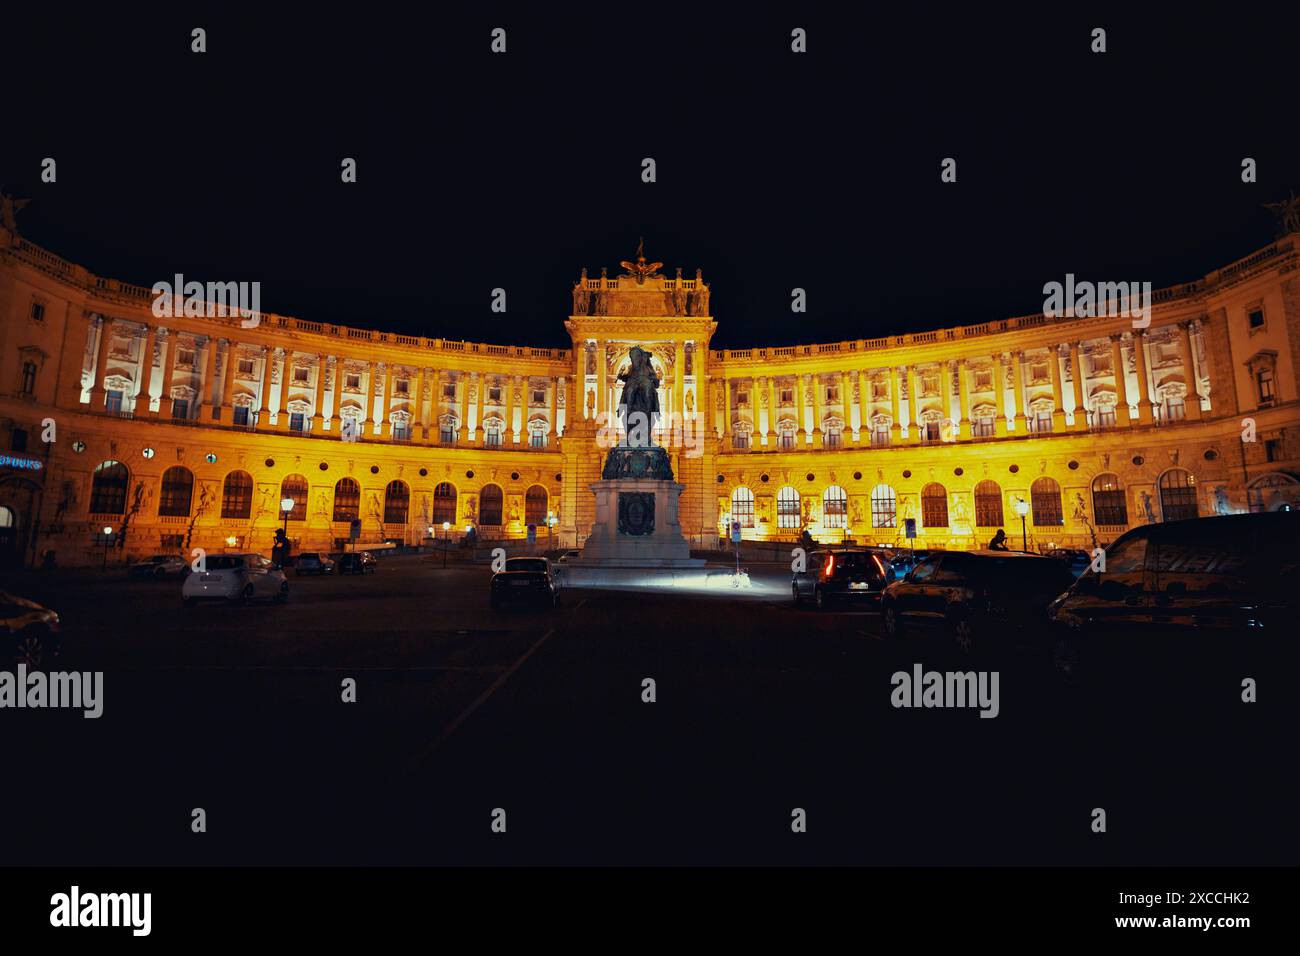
820, 599
30, 648
963, 632
893, 623
284, 593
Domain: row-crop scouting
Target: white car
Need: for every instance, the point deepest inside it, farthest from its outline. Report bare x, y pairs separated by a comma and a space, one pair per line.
236, 577
561, 563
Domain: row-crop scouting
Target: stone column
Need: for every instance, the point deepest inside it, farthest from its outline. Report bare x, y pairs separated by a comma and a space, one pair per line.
146, 372
726, 412
1076, 369
420, 423
552, 410
385, 428
264, 412
913, 407
999, 398
819, 409
1117, 368
478, 388
169, 369
562, 402
99, 394
282, 403
462, 386
1058, 396
864, 406
1193, 398
209, 382
772, 409
1144, 389
1018, 370
963, 400
228, 374
846, 406
318, 404
679, 391
801, 403
337, 380
602, 386
510, 386
895, 423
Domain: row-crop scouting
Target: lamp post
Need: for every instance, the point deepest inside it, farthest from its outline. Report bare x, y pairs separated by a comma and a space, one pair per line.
1022, 509
446, 541
286, 506
108, 536
550, 530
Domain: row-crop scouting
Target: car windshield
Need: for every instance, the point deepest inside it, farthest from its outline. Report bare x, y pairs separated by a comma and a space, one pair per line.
225, 562
856, 561
525, 564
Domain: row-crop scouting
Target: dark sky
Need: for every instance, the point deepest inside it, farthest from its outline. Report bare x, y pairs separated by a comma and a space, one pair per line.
774, 170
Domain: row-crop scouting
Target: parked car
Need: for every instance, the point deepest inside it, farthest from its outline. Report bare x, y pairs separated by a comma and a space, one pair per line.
905, 559
978, 597
1075, 558
561, 566
841, 576
159, 566
357, 562
30, 632
313, 562
524, 581
236, 577
1223, 586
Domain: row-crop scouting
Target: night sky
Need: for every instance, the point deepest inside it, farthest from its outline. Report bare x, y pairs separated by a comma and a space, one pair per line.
775, 170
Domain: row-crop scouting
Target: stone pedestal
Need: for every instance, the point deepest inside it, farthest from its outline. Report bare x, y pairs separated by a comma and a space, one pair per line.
636, 526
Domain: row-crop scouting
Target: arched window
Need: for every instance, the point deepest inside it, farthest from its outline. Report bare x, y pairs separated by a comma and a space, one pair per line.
176, 492
884, 507
444, 503
489, 505
1046, 501
1177, 495
835, 507
397, 502
347, 499
295, 487
237, 495
108, 489
1108, 503
535, 500
787, 508
934, 506
988, 505
742, 507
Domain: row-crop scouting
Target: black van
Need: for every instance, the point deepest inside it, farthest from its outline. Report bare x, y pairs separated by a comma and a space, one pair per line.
1233, 580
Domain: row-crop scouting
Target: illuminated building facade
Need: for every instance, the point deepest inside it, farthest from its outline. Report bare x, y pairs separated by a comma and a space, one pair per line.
187, 432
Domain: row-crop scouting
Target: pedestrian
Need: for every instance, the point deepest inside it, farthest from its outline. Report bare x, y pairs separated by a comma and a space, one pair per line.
999, 541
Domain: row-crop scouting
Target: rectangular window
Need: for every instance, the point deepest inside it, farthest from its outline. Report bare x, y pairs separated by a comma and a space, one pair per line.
880, 436
352, 380
185, 357
296, 421
537, 439
1100, 362
834, 438
1039, 423
447, 435
449, 391
300, 374
401, 431
539, 396
742, 399
983, 379
402, 387
38, 312
982, 428
739, 441
786, 440
18, 439
494, 394
492, 437
1264, 382
171, 542
1175, 410
832, 393
931, 433
1102, 418
1255, 318
1273, 449
241, 415
1038, 372
113, 400
29, 378
246, 368
180, 408
787, 396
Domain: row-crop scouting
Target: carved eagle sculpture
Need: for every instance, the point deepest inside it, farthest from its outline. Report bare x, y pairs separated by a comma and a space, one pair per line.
641, 269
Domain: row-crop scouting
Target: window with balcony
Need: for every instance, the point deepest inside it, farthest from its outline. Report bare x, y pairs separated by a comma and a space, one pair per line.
492, 434
240, 416
180, 408
982, 428
1264, 386
113, 400
880, 436
1101, 417
297, 422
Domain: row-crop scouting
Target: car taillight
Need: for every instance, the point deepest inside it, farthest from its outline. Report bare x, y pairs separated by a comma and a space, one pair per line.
830, 566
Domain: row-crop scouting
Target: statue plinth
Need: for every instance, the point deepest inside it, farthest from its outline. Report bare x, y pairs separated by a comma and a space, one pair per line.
636, 526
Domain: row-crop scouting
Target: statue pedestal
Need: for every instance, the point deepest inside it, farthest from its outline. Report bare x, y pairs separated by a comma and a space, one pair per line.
636, 526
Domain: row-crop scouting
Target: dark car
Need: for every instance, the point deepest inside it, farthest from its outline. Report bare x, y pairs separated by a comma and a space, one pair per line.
841, 576
1075, 558
29, 632
524, 581
1222, 586
357, 562
313, 562
159, 566
978, 597
905, 559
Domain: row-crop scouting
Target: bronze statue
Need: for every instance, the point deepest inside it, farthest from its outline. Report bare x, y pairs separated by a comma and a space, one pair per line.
8, 206
1287, 212
641, 269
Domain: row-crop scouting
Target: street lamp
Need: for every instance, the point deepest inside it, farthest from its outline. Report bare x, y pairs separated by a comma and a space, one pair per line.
550, 530
446, 541
1022, 509
108, 536
286, 506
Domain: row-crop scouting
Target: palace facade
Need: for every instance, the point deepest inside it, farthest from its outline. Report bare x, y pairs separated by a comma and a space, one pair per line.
141, 434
